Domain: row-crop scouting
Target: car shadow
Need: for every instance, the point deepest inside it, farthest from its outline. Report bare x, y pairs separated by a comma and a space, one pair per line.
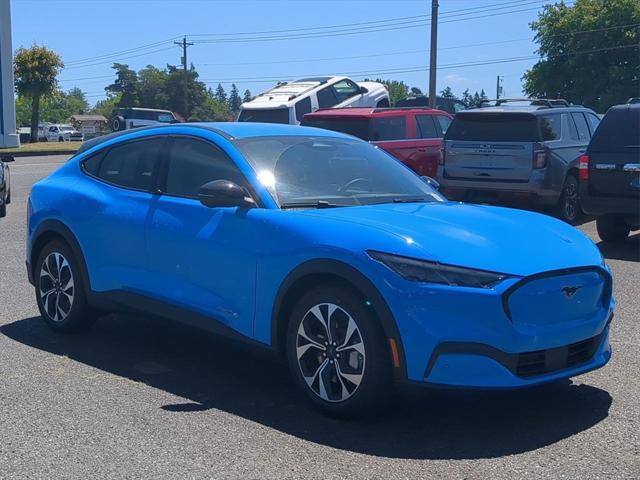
628, 250
213, 373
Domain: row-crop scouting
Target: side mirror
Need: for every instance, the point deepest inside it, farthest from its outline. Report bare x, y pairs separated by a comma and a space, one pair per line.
224, 193
7, 158
364, 90
432, 182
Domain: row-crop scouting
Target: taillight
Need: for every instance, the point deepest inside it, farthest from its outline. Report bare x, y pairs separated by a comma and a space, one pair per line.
539, 159
441, 156
583, 168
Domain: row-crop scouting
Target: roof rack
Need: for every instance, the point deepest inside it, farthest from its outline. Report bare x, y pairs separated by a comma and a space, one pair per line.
536, 102
386, 109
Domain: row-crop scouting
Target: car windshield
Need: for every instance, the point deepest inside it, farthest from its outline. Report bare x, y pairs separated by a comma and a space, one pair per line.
310, 171
66, 128
263, 115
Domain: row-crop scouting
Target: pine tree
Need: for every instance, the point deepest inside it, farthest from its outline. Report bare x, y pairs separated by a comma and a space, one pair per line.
247, 96
220, 94
447, 93
234, 99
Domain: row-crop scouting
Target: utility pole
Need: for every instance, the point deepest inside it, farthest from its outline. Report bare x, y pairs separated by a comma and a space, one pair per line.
433, 53
184, 44
499, 81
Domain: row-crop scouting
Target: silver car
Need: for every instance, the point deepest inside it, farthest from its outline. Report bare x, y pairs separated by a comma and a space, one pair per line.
528, 150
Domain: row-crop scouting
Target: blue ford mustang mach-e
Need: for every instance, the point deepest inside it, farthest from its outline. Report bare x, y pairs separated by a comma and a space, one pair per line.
323, 248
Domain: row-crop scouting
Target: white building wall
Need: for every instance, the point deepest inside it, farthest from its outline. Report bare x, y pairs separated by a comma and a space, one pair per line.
8, 135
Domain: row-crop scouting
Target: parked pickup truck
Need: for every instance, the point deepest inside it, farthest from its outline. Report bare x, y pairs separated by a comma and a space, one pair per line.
412, 135
62, 133
610, 173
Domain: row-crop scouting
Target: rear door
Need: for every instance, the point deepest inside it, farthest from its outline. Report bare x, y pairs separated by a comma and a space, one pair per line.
490, 146
429, 132
395, 135
614, 155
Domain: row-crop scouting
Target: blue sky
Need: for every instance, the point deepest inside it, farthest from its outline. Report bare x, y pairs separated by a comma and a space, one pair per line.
88, 34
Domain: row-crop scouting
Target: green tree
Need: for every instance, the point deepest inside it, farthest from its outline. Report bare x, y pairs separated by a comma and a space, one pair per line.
234, 99
126, 84
174, 90
220, 94
467, 98
152, 83
397, 89
211, 110
416, 91
247, 96
107, 107
35, 71
608, 74
447, 93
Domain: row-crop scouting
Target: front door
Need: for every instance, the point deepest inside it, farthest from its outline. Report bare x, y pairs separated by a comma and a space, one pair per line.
201, 258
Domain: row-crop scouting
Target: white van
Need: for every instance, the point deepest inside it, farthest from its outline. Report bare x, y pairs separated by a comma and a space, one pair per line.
141, 117
289, 102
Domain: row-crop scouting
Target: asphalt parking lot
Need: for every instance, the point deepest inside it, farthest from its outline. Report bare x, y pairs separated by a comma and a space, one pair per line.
138, 397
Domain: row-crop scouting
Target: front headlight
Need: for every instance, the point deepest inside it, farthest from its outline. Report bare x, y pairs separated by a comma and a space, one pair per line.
433, 272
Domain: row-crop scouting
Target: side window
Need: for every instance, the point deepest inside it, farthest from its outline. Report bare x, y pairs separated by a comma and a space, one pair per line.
550, 127
426, 126
303, 107
459, 106
388, 128
594, 121
444, 123
132, 164
326, 97
345, 89
581, 127
192, 163
92, 164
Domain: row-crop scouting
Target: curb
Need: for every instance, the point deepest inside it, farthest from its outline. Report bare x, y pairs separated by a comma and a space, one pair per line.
39, 153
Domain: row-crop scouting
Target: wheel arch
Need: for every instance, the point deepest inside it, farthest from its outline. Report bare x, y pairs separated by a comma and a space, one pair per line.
314, 272
48, 231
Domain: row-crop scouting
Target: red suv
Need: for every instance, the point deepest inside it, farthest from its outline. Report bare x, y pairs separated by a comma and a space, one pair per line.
412, 135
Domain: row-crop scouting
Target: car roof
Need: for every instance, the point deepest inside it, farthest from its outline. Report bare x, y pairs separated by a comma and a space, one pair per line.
532, 109
372, 112
229, 130
626, 106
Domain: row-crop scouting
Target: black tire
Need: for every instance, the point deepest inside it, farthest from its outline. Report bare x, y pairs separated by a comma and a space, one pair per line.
60, 139
58, 311
384, 103
368, 382
612, 228
8, 201
569, 207
3, 210
118, 123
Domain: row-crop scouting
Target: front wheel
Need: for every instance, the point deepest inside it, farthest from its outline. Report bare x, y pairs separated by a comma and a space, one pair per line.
612, 228
59, 290
569, 207
337, 353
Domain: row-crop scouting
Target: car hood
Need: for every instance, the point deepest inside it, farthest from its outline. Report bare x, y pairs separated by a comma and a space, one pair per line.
504, 240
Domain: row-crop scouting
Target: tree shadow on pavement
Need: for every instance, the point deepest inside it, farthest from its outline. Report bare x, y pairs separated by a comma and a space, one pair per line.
628, 250
213, 373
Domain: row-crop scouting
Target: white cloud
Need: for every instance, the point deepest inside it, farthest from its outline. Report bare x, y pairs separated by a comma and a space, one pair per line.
455, 80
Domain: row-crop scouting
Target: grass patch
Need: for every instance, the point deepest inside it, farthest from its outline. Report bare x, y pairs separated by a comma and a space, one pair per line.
44, 147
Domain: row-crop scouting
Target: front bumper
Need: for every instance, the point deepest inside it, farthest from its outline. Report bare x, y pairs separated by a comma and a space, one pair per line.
523, 332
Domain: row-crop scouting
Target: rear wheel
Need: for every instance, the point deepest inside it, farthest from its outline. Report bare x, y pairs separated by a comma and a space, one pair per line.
612, 228
59, 289
569, 206
337, 353
3, 210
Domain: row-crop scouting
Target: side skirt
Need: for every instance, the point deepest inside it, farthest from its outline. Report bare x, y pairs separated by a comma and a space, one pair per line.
120, 300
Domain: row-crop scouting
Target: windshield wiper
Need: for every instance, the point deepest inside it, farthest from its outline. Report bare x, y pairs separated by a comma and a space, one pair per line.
318, 204
409, 200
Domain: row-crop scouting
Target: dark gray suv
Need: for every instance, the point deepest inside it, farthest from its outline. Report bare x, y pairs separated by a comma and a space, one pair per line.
518, 149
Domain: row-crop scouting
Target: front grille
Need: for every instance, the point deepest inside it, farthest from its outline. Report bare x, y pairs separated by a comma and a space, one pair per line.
552, 360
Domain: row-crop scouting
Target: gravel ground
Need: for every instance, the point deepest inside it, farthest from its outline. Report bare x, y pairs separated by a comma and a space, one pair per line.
144, 398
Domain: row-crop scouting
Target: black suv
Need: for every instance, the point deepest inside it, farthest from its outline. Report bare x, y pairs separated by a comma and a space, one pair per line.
610, 173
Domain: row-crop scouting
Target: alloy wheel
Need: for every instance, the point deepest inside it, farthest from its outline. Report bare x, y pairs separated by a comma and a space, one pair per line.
56, 287
330, 352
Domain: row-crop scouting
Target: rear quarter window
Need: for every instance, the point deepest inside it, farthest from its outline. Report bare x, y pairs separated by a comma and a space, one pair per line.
493, 127
388, 128
358, 127
550, 127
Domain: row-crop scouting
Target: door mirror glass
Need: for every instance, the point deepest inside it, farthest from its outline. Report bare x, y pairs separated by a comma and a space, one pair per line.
432, 182
224, 193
